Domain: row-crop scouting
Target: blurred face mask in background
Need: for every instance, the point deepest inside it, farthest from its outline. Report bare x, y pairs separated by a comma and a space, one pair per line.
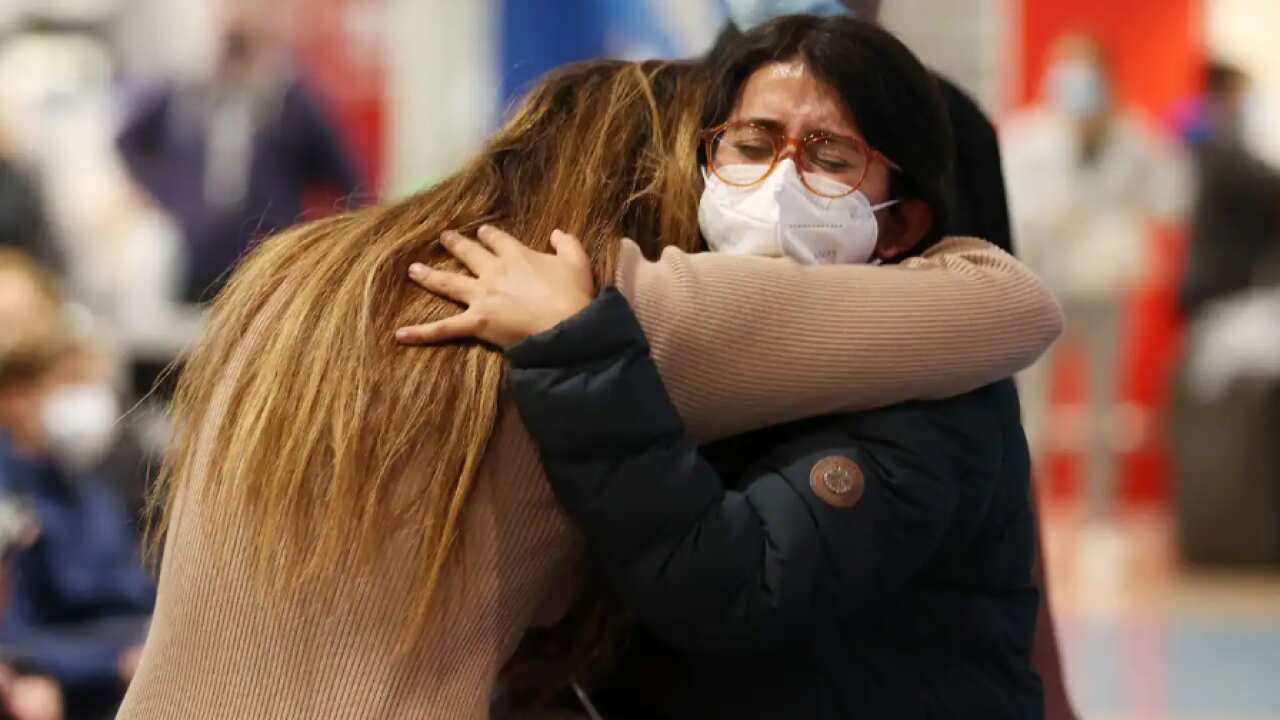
746, 14
1075, 87
80, 424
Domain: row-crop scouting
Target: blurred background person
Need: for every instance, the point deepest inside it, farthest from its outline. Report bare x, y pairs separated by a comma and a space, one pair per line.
232, 157
33, 303
1235, 232
22, 696
1088, 181
80, 597
225, 157
1227, 392
58, 103
117, 255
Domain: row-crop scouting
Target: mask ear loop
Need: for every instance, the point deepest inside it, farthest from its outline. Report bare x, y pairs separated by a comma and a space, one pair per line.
585, 699
875, 261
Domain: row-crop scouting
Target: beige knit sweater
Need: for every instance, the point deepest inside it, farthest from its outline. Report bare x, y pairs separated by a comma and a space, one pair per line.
741, 342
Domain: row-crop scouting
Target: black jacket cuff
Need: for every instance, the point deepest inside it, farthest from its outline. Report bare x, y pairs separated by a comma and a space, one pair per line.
604, 328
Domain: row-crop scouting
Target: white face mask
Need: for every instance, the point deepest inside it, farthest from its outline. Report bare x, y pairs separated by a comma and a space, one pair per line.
781, 218
80, 422
1075, 87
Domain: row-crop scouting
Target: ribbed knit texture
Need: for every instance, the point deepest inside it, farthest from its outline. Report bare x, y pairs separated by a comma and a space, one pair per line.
748, 342
741, 342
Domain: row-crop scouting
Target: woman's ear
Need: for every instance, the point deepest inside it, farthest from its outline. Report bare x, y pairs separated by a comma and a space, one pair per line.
903, 227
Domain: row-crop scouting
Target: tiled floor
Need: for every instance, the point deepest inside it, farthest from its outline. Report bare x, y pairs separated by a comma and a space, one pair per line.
1145, 641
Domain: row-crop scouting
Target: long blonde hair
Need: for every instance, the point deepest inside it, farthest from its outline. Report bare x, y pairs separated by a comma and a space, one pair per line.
311, 440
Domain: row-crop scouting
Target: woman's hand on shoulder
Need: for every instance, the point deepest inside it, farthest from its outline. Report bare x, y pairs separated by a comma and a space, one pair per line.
513, 292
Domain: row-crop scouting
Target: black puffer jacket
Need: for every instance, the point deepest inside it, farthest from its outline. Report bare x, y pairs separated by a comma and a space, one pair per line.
871, 565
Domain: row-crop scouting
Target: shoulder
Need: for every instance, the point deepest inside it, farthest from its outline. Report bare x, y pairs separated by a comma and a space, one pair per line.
973, 415
968, 415
965, 246
914, 462
933, 437
959, 437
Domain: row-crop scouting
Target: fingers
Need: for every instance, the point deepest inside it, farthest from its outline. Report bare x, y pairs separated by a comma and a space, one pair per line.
570, 249
459, 327
475, 256
455, 286
499, 242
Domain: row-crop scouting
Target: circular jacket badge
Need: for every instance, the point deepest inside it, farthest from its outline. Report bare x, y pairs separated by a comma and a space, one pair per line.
838, 481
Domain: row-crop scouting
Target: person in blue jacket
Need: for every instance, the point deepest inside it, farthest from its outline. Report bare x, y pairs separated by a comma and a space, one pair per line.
876, 564
80, 596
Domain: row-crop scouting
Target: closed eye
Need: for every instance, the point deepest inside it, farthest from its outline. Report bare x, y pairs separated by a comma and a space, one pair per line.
754, 151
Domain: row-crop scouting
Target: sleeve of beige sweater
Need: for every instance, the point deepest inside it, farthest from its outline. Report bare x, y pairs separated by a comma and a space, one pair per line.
747, 342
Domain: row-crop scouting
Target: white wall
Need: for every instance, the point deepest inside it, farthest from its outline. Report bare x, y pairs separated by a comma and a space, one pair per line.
441, 87
1244, 32
161, 39
968, 41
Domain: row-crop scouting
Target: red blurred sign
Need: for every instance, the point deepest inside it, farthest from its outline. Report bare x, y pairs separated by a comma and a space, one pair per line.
340, 48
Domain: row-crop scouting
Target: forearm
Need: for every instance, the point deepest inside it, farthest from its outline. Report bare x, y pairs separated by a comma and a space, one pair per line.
744, 343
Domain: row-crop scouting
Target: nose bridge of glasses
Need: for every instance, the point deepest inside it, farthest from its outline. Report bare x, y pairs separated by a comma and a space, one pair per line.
788, 147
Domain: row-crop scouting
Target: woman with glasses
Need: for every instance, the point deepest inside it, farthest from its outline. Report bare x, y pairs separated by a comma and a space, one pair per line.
871, 564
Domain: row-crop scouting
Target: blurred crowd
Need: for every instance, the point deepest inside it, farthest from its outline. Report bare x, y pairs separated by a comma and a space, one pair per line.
1094, 186
123, 205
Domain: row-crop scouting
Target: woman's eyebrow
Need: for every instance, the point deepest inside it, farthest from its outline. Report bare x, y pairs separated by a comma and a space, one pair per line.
766, 123
828, 134
774, 125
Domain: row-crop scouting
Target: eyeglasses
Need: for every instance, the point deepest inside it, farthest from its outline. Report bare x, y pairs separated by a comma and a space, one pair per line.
743, 154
